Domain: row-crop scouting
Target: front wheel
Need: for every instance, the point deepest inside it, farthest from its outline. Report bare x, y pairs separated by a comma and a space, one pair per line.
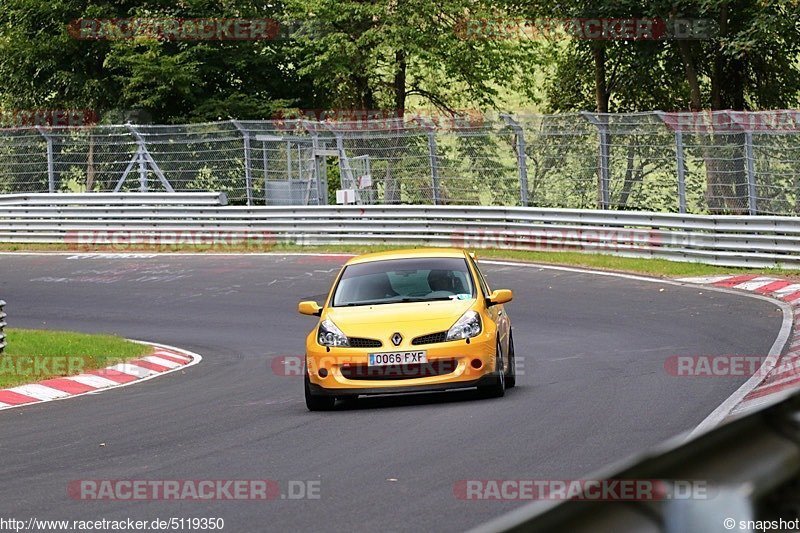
317, 402
498, 388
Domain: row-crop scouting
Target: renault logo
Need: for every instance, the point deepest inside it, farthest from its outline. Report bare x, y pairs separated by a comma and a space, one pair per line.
397, 339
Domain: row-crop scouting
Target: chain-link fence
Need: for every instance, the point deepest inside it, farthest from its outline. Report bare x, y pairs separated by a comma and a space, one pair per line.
720, 162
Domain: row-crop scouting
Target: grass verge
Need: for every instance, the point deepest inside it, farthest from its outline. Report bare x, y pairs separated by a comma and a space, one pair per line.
36, 355
651, 267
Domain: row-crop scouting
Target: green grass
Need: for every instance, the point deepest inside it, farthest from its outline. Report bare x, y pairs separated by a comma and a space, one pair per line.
651, 267
36, 355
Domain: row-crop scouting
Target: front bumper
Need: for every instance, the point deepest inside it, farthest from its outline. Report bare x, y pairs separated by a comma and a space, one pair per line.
465, 374
488, 379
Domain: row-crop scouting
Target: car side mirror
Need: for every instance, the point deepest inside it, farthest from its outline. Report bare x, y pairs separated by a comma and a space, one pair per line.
500, 296
309, 308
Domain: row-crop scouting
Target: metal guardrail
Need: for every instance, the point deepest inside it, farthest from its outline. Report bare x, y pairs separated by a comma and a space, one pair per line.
750, 469
103, 198
2, 326
715, 239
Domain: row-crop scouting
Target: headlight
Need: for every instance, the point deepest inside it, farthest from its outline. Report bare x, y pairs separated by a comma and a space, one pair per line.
468, 326
330, 335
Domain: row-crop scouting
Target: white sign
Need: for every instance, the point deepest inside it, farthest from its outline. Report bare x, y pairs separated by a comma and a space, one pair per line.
345, 196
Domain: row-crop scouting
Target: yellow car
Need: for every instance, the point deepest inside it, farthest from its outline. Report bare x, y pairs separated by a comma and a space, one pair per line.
408, 321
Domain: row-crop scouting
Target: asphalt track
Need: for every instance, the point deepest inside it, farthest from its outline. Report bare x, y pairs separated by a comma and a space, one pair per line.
594, 391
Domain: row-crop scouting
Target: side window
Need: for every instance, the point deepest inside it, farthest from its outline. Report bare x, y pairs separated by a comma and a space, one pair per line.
484, 286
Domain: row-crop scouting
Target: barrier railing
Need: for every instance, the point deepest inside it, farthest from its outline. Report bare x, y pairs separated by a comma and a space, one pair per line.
102, 198
739, 241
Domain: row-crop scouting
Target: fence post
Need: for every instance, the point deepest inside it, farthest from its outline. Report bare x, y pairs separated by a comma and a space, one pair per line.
320, 171
345, 170
248, 177
143, 157
433, 156
681, 171
751, 173
434, 164
603, 158
142, 172
51, 174
522, 157
2, 325
680, 160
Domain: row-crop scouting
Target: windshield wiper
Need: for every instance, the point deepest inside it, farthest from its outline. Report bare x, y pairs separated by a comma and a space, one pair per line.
406, 299
438, 298
376, 302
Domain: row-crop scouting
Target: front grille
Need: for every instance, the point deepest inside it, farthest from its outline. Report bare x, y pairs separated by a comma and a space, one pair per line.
358, 342
438, 367
430, 338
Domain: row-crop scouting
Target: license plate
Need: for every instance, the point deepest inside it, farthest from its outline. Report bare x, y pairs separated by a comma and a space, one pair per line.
397, 358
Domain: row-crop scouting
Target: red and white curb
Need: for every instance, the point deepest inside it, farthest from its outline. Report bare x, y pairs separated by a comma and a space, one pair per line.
164, 360
782, 372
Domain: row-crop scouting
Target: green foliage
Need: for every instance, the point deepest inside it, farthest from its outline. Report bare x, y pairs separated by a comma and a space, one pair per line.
43, 66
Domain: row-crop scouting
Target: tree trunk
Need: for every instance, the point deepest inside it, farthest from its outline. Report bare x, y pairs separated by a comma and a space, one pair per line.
391, 187
717, 68
399, 84
601, 88
723, 152
695, 98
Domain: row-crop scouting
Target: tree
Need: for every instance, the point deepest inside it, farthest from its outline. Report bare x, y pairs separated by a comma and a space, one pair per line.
377, 54
43, 65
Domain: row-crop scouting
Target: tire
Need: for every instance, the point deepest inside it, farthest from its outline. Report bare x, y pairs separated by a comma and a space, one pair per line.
498, 388
511, 375
316, 402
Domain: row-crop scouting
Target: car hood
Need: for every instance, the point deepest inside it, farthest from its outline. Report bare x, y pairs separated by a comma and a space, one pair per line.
409, 319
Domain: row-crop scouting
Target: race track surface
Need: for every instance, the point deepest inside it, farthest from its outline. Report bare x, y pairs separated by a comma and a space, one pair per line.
594, 391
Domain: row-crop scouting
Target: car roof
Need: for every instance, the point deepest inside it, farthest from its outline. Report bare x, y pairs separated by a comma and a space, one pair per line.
409, 253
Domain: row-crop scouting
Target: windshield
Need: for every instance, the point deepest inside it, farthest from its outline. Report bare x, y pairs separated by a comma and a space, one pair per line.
404, 280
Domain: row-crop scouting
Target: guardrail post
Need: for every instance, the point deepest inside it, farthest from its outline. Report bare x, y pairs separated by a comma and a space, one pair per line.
603, 178
522, 157
2, 325
51, 174
248, 178
751, 173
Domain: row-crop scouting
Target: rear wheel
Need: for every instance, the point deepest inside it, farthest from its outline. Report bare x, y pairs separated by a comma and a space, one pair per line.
511, 375
498, 388
317, 402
